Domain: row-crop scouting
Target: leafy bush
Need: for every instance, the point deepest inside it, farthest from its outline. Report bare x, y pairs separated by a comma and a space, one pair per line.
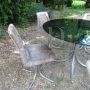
2, 34
68, 3
53, 3
59, 1
78, 4
15, 11
39, 7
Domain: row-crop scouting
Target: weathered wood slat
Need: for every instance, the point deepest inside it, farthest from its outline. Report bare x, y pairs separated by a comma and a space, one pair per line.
31, 55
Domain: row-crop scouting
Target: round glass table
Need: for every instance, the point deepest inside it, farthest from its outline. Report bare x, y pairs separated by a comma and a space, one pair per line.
73, 31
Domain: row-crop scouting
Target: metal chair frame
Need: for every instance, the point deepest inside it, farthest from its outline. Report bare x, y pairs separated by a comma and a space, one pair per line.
84, 46
38, 71
52, 46
76, 58
19, 43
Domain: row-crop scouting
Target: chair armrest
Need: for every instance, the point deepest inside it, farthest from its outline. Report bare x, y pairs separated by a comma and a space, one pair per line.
86, 15
88, 66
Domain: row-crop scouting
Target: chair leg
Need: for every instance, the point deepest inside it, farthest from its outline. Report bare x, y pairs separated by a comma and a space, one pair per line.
77, 58
72, 69
49, 38
81, 46
45, 77
85, 48
39, 71
34, 78
86, 86
33, 81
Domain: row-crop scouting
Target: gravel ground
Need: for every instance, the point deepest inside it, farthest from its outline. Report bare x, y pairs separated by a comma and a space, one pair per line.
14, 77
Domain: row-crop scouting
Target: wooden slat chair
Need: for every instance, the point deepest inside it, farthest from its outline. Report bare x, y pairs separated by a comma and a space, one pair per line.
43, 17
32, 55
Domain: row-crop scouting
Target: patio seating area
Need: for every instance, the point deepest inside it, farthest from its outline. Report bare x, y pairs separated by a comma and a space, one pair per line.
14, 77
44, 44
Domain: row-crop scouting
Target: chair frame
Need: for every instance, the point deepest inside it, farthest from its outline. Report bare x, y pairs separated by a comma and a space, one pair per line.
75, 58
37, 67
51, 46
84, 46
38, 71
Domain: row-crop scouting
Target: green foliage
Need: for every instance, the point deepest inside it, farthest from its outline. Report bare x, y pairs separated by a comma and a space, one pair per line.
2, 34
39, 7
59, 79
53, 3
15, 11
69, 2
58, 1
78, 4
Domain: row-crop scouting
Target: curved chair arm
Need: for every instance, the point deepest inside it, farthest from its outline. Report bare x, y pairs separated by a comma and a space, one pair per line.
88, 66
86, 15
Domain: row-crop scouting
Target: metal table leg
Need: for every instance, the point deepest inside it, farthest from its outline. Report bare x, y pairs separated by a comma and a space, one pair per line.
72, 69
73, 64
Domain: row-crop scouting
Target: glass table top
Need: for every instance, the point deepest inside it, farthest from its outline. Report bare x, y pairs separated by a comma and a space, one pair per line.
70, 30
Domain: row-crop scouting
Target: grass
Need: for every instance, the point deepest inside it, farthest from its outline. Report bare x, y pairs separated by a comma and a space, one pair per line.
78, 4
73, 11
2, 33
76, 9
59, 79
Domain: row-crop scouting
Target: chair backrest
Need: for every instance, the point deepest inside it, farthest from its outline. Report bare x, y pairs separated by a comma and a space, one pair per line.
42, 17
15, 36
86, 16
19, 43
